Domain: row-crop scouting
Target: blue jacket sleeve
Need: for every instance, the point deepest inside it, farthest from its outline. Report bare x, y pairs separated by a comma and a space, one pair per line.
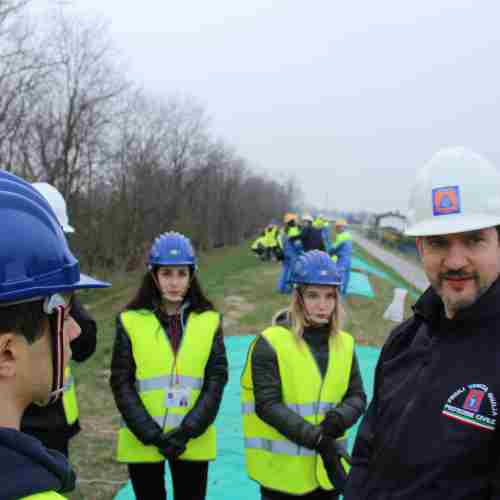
344, 253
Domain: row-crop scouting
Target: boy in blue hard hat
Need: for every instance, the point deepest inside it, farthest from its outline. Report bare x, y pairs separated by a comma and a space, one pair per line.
38, 275
56, 424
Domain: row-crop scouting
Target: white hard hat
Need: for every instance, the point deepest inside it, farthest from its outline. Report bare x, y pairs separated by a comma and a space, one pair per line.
56, 201
456, 191
307, 217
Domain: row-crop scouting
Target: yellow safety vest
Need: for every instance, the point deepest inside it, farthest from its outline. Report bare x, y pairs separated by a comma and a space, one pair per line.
342, 237
46, 495
271, 237
70, 402
259, 241
157, 370
271, 459
293, 232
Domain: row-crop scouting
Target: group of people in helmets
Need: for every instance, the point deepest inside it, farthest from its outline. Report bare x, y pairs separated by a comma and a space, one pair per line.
299, 236
430, 431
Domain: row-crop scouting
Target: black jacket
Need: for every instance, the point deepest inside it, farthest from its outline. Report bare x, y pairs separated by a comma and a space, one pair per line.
430, 431
51, 419
28, 468
138, 420
312, 239
269, 404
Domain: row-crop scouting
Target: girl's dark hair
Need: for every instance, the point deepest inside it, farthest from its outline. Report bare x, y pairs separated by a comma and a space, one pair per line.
148, 296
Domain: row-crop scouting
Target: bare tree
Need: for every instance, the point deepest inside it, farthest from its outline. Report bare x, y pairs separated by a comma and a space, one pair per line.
75, 105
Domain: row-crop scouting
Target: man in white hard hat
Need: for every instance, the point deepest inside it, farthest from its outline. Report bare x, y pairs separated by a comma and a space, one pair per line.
431, 429
56, 424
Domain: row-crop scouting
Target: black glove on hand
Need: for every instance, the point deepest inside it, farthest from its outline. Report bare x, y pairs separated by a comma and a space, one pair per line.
173, 443
331, 452
332, 426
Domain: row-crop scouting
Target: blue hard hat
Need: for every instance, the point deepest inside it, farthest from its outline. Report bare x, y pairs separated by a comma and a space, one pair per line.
35, 260
315, 268
172, 249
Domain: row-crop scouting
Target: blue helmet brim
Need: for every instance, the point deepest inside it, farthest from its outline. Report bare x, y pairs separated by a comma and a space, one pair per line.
89, 282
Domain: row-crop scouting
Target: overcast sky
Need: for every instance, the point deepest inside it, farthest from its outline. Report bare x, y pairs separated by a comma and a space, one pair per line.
351, 97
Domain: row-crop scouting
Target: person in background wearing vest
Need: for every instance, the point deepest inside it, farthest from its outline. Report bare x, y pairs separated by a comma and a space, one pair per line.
291, 245
38, 276
342, 252
301, 390
54, 425
168, 373
259, 246
271, 233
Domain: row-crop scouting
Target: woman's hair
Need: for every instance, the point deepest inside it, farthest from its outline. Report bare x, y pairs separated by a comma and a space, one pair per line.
298, 319
148, 296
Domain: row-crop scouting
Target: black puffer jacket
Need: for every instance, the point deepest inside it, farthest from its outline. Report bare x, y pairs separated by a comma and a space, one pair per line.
51, 420
431, 430
129, 404
269, 404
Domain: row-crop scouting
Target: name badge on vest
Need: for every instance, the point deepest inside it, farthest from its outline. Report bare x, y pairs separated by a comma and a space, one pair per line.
178, 396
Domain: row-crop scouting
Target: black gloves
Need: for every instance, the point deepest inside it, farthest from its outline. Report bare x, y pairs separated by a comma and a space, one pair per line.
331, 452
333, 426
172, 444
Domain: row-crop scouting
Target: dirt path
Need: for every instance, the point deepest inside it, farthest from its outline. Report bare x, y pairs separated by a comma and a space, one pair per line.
410, 272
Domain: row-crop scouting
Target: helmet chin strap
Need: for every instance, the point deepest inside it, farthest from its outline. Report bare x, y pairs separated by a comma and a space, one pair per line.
56, 321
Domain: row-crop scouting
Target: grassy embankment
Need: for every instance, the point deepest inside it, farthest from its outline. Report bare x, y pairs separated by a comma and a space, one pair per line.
244, 289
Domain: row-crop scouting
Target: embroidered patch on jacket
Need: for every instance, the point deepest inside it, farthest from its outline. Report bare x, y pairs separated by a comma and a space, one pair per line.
473, 404
446, 200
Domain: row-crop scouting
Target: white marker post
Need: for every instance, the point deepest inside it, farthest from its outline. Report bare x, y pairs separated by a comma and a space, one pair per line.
395, 311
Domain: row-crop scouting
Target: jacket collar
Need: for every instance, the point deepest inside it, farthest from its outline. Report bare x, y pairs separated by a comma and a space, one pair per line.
31, 468
431, 309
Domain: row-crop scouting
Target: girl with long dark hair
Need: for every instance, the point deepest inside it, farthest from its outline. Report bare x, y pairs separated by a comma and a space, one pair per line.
168, 373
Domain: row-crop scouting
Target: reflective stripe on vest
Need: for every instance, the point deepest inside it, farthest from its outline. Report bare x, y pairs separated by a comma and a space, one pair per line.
271, 459
156, 372
70, 402
46, 495
304, 410
155, 383
283, 447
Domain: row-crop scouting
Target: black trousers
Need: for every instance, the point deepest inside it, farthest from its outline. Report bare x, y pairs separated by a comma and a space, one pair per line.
315, 495
189, 480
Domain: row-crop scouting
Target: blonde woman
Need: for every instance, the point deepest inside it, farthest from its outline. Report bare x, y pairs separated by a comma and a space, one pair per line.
302, 390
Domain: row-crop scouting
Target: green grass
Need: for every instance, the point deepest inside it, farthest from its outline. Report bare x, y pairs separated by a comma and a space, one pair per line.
244, 289
365, 316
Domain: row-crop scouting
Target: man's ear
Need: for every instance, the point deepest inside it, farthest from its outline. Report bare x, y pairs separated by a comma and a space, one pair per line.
420, 246
8, 354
